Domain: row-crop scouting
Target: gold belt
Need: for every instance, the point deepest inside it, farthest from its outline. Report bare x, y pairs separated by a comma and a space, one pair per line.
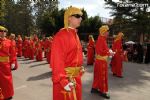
99, 57
4, 59
73, 72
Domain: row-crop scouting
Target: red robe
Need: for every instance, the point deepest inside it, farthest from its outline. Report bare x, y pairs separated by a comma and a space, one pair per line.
49, 51
13, 55
46, 47
6, 83
117, 58
66, 52
100, 68
26, 48
19, 47
90, 52
39, 56
31, 50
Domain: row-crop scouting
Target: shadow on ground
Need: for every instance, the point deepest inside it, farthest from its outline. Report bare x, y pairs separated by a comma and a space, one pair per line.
134, 75
40, 77
40, 64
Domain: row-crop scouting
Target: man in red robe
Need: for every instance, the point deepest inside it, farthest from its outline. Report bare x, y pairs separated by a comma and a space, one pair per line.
49, 49
19, 46
46, 46
90, 51
118, 57
31, 48
67, 58
100, 82
38, 53
6, 82
25, 47
13, 59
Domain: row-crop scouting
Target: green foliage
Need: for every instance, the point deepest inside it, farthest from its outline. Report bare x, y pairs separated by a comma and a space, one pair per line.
42, 17
2, 11
134, 21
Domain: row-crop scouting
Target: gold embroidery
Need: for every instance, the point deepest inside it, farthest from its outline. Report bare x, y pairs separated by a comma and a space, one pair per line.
1, 95
65, 94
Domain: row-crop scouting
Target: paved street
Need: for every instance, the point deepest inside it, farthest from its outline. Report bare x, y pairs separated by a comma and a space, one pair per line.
32, 81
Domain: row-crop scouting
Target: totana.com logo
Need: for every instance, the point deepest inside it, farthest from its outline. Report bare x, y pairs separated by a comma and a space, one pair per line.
129, 3
124, 4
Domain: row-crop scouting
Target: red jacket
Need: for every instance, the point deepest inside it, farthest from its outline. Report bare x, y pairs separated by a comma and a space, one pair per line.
66, 52
6, 83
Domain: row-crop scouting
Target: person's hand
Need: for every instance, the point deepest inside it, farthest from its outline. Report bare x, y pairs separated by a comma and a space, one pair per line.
111, 52
12, 66
68, 86
82, 70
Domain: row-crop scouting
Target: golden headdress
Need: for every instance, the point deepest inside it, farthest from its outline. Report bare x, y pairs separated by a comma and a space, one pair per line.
91, 36
70, 11
103, 29
119, 36
2, 28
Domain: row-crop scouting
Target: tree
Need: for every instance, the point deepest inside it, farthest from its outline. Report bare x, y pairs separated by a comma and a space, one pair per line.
43, 9
2, 11
130, 19
18, 16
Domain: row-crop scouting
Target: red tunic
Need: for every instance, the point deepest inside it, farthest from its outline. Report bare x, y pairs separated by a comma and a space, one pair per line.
49, 51
46, 47
100, 68
6, 83
26, 48
117, 58
66, 52
13, 55
38, 46
90, 52
19, 47
31, 50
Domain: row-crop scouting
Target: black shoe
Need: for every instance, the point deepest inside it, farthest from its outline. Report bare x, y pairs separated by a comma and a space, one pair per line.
94, 90
105, 95
114, 74
120, 76
10, 98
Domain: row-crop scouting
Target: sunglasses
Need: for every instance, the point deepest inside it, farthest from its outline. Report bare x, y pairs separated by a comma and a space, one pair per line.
77, 16
2, 31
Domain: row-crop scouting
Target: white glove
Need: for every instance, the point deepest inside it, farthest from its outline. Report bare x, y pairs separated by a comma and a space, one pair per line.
111, 52
68, 86
12, 66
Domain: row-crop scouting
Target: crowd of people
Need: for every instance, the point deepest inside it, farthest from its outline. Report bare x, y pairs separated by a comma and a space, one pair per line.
138, 53
65, 55
11, 48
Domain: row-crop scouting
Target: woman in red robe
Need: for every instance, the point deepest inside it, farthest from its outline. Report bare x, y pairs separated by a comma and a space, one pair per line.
19, 46
100, 82
90, 52
6, 82
67, 58
118, 57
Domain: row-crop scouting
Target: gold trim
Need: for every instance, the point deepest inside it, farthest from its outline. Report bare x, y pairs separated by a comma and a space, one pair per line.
1, 95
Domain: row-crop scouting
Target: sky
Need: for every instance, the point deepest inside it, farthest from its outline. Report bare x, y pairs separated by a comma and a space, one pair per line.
92, 7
